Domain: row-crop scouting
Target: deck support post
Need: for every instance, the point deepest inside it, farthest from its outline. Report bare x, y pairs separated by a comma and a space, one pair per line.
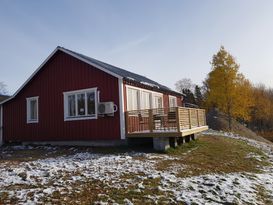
173, 142
180, 141
193, 136
187, 138
161, 143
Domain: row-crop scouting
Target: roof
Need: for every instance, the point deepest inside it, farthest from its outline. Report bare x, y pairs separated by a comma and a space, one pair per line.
127, 75
3, 97
110, 69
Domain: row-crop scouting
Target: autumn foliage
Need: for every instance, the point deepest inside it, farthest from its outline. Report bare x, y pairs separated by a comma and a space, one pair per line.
227, 89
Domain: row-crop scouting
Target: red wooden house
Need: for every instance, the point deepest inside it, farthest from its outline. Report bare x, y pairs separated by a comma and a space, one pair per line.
72, 98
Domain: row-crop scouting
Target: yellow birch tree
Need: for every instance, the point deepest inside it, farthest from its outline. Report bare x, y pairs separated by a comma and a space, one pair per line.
227, 89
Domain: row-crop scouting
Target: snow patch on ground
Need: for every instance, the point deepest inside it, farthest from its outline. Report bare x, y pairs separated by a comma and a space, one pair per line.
51, 174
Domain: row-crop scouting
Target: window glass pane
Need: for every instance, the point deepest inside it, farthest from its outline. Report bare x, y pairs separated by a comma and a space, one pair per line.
81, 103
133, 99
91, 103
160, 105
146, 100
33, 110
129, 101
71, 106
173, 102
158, 102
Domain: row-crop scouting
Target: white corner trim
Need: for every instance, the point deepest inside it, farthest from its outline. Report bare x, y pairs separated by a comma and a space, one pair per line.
121, 109
29, 121
1, 125
87, 117
48, 58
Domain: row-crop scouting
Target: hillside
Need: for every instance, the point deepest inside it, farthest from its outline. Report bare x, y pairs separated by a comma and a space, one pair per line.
218, 121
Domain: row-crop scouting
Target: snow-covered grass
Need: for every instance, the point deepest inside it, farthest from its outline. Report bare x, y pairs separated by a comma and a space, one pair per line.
197, 173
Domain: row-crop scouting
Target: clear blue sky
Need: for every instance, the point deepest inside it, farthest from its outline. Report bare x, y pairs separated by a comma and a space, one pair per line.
163, 40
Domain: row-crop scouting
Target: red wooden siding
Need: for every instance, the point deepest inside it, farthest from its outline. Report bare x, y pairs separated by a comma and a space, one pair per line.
61, 73
179, 100
166, 100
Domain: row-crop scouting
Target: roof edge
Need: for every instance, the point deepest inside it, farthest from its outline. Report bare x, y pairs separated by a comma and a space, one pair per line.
90, 63
58, 48
32, 75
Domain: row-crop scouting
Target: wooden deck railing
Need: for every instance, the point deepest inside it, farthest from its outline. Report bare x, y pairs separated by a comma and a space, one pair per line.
174, 119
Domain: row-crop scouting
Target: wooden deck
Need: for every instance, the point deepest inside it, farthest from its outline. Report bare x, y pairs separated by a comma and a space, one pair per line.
165, 122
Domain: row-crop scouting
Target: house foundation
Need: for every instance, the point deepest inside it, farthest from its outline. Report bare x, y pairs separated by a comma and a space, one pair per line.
161, 143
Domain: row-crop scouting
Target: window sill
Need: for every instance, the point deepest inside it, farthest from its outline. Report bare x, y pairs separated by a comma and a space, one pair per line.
80, 118
32, 121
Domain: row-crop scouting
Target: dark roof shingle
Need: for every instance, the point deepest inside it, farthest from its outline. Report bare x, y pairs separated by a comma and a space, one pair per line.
127, 75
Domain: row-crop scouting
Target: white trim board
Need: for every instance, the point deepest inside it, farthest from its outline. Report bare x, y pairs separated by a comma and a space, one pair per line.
48, 58
121, 109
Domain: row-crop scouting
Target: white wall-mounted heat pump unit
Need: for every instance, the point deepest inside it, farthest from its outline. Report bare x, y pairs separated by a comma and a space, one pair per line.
107, 108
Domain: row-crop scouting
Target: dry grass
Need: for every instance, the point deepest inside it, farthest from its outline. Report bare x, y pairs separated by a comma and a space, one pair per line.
213, 154
207, 154
267, 135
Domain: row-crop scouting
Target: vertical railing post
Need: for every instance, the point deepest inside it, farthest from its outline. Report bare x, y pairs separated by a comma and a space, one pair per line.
177, 119
197, 114
205, 119
126, 122
189, 110
151, 126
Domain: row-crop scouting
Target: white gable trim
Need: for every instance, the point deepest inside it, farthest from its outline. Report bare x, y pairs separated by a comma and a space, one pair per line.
48, 58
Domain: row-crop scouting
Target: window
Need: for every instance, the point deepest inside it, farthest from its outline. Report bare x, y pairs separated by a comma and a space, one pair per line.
32, 110
133, 101
80, 104
146, 100
138, 98
172, 101
158, 101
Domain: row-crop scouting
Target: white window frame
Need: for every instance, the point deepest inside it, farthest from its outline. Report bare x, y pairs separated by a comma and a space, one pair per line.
138, 97
29, 121
141, 90
154, 102
80, 117
171, 97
